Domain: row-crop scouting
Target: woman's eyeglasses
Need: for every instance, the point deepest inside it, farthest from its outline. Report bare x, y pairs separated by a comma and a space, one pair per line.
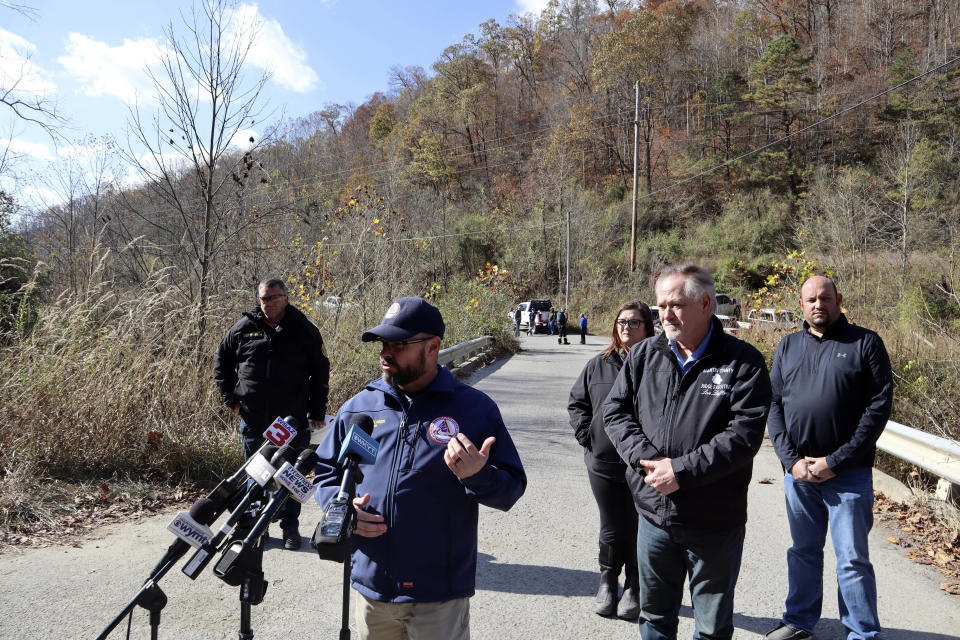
633, 324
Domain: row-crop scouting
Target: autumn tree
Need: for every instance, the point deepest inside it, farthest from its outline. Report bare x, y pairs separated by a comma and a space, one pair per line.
779, 87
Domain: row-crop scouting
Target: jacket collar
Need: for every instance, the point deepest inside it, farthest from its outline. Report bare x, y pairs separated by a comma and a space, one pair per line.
836, 328
717, 339
291, 317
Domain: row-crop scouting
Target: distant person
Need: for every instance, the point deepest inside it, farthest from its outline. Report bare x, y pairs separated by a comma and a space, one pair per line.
832, 393
687, 415
552, 321
444, 450
606, 470
562, 326
272, 363
517, 316
583, 328
532, 321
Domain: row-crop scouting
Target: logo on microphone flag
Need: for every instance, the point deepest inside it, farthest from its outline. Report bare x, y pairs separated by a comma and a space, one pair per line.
443, 429
189, 530
280, 433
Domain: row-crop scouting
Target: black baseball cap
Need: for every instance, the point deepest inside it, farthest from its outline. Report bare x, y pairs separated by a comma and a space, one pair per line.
405, 318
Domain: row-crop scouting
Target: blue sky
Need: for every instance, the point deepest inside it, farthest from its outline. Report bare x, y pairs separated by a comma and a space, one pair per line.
90, 57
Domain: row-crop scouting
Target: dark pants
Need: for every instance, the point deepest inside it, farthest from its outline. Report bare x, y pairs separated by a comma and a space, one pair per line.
666, 557
583, 335
252, 439
618, 515
562, 326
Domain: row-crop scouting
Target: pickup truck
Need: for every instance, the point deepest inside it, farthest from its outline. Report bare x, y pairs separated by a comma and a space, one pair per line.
543, 305
770, 318
727, 306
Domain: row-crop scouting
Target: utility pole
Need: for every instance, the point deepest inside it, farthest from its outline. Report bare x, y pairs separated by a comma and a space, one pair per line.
636, 151
566, 296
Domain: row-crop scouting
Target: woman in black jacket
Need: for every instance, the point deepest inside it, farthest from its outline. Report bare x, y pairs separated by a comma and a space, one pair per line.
605, 469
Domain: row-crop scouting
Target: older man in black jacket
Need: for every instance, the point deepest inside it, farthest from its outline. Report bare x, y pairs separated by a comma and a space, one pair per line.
272, 363
687, 415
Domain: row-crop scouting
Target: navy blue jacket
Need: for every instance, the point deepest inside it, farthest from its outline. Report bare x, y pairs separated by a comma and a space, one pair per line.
831, 396
709, 421
429, 552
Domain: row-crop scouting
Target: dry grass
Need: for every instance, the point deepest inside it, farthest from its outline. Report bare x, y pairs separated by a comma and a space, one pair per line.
114, 385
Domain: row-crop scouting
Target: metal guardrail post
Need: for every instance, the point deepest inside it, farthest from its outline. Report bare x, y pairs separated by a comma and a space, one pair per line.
940, 456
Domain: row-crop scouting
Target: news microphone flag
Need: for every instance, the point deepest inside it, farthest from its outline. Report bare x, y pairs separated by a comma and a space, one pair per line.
293, 481
359, 445
189, 530
280, 432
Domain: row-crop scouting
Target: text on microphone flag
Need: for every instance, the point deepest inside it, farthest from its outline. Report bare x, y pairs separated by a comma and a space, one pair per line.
299, 487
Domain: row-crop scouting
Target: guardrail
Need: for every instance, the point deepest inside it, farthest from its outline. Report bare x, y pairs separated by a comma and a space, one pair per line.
464, 350
940, 456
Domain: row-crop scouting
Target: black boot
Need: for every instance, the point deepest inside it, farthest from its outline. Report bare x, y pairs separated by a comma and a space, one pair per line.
606, 601
629, 607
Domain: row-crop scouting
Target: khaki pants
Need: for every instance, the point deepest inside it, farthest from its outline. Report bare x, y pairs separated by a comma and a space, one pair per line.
448, 620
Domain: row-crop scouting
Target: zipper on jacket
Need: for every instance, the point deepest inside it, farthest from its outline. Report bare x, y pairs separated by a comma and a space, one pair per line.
391, 505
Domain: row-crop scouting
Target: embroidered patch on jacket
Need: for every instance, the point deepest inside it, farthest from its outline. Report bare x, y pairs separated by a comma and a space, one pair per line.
392, 311
252, 334
443, 429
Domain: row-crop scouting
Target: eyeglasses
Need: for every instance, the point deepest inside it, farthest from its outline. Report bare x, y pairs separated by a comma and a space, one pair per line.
400, 345
275, 296
633, 324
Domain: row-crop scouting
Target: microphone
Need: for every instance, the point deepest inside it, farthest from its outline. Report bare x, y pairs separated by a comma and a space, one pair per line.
204, 554
332, 532
234, 562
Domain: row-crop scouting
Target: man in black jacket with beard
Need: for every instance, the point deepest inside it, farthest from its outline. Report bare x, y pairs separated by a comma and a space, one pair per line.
272, 363
687, 414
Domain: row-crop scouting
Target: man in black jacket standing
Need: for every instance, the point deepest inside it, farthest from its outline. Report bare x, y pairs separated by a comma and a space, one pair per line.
687, 415
272, 363
832, 393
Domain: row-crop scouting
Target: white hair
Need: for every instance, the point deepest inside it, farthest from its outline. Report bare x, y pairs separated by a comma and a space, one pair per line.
696, 281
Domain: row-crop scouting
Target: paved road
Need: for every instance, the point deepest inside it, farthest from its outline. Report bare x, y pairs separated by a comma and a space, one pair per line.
536, 574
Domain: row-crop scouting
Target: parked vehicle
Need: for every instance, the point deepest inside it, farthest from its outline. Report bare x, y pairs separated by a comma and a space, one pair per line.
770, 318
729, 324
542, 306
728, 306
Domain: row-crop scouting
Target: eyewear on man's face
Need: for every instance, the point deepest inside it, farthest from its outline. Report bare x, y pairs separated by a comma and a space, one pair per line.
269, 299
633, 324
397, 346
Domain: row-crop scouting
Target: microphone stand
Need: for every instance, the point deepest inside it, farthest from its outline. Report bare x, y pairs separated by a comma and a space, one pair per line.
150, 597
253, 586
342, 552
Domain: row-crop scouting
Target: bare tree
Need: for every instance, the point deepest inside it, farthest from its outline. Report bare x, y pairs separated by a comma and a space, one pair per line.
191, 165
29, 105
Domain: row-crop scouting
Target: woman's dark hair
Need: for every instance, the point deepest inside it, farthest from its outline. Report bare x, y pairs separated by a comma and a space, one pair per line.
646, 316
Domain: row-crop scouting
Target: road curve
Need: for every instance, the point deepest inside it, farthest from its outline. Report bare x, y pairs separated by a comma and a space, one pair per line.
536, 573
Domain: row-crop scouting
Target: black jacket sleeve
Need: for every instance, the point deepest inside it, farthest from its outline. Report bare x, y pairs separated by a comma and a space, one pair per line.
785, 448
225, 369
619, 412
580, 408
879, 380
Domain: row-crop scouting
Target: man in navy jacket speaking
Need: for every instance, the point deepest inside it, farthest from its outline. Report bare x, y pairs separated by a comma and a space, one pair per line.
444, 450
